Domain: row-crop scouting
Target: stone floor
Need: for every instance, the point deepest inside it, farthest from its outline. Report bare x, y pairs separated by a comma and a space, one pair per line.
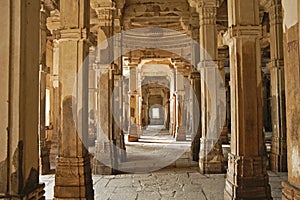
168, 183
165, 171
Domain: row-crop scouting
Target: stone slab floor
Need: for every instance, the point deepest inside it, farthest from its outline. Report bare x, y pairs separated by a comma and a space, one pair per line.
180, 180
168, 183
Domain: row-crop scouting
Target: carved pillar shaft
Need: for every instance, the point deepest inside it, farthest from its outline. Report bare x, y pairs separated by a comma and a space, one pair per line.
224, 134
56, 103
180, 108
73, 172
134, 105
44, 150
105, 151
172, 126
247, 175
278, 156
196, 125
19, 100
211, 155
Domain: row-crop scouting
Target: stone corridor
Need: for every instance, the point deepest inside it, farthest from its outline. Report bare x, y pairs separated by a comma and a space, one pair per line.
150, 99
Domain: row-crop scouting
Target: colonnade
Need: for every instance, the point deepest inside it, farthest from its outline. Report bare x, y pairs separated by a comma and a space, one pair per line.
27, 51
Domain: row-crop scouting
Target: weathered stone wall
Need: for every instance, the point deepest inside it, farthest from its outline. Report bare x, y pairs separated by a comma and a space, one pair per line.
292, 76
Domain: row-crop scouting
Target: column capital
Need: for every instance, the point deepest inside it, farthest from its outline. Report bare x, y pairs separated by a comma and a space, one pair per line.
103, 10
274, 7
53, 22
207, 12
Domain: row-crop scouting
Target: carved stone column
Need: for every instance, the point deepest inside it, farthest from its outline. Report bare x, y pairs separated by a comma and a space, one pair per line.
291, 188
222, 55
247, 176
172, 126
53, 23
211, 155
19, 100
73, 171
278, 156
180, 134
44, 149
120, 154
56, 104
187, 105
196, 125
134, 102
104, 162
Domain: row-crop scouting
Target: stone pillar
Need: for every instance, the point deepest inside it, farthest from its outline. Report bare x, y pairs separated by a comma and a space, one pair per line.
126, 106
53, 61
44, 150
117, 120
92, 105
222, 56
291, 188
104, 160
187, 105
56, 104
73, 171
196, 125
19, 100
166, 110
211, 155
133, 135
180, 134
172, 126
278, 155
247, 176
139, 101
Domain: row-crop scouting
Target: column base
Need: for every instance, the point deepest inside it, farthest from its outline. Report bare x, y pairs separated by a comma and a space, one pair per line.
211, 159
290, 192
212, 167
172, 129
45, 160
224, 136
101, 169
102, 161
73, 178
37, 194
195, 148
278, 155
181, 134
133, 135
278, 163
247, 178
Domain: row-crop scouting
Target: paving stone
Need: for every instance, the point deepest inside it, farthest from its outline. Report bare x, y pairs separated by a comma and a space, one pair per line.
143, 195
